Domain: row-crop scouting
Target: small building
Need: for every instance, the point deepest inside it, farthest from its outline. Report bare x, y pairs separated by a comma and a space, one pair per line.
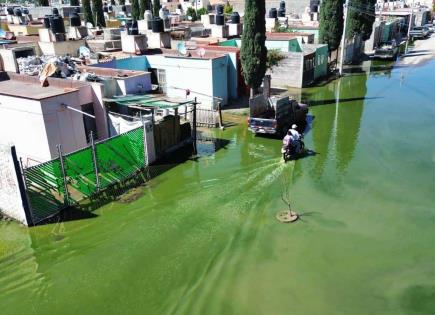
301, 37
204, 76
384, 32
307, 29
36, 119
303, 63
321, 59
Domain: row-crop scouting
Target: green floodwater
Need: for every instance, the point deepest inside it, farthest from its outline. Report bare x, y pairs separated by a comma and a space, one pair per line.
203, 239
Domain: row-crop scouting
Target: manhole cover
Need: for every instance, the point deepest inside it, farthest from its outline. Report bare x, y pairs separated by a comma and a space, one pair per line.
287, 216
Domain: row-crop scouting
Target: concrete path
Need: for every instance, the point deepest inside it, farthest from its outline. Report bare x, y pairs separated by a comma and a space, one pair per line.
422, 51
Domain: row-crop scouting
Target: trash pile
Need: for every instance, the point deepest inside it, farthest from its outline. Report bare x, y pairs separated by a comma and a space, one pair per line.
58, 67
33, 65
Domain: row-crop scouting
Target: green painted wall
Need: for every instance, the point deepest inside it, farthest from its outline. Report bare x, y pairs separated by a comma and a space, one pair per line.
291, 45
321, 62
229, 43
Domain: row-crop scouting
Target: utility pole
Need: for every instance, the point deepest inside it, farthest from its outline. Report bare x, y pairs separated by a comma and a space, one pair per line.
343, 38
409, 26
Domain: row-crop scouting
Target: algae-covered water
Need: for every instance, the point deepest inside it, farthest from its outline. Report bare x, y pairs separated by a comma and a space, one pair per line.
203, 239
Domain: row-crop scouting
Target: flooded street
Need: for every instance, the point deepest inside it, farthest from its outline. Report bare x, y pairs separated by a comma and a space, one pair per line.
203, 238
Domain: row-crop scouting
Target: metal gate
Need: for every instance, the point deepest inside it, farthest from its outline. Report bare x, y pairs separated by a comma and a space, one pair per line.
64, 181
45, 189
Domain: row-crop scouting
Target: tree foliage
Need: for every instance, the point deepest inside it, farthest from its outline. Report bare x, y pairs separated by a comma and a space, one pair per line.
87, 12
144, 5
200, 12
253, 52
228, 8
135, 9
156, 7
74, 3
97, 9
274, 56
43, 3
331, 23
361, 16
121, 2
192, 14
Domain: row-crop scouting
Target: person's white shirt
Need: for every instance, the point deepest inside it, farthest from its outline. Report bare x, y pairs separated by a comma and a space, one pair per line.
286, 140
295, 135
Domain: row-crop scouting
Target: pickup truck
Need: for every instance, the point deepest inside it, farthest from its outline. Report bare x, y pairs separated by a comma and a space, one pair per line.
419, 32
276, 116
388, 51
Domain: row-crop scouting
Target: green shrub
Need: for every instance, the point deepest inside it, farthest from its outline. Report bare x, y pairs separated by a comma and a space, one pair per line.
274, 56
192, 14
228, 9
200, 12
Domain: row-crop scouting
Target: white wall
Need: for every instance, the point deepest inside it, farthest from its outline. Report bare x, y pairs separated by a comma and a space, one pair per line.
220, 79
22, 124
149, 141
64, 126
10, 197
99, 110
134, 84
194, 74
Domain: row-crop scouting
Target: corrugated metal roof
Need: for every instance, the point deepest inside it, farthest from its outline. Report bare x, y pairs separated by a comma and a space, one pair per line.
146, 100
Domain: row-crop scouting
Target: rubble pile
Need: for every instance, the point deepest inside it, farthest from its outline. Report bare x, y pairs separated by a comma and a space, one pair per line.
33, 65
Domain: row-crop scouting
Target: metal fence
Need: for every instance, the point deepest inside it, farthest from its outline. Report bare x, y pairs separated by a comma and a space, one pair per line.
68, 179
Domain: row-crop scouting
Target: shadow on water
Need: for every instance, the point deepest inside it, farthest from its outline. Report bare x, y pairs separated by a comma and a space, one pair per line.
334, 101
130, 189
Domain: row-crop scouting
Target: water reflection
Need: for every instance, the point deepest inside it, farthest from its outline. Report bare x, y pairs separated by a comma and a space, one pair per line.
19, 268
348, 118
338, 107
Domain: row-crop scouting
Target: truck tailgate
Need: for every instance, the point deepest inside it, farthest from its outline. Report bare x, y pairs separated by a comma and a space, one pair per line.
262, 125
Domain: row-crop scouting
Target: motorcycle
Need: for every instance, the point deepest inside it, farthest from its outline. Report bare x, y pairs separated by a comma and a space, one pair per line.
290, 152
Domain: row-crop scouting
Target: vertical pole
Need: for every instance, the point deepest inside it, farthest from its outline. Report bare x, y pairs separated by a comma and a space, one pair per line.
94, 160
174, 125
22, 186
343, 37
409, 26
62, 168
145, 147
194, 126
221, 124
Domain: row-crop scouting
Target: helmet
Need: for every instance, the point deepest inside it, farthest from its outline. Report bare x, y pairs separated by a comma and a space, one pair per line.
294, 126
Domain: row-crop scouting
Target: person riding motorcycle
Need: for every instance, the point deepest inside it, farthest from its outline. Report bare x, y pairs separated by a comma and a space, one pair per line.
295, 137
286, 142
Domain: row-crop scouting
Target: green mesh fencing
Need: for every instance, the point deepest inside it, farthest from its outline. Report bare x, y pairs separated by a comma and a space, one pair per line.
45, 189
120, 157
80, 174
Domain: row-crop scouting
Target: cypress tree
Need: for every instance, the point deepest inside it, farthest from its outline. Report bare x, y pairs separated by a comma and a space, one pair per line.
369, 19
331, 23
135, 10
74, 3
156, 8
43, 3
144, 5
97, 9
87, 11
361, 16
253, 53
